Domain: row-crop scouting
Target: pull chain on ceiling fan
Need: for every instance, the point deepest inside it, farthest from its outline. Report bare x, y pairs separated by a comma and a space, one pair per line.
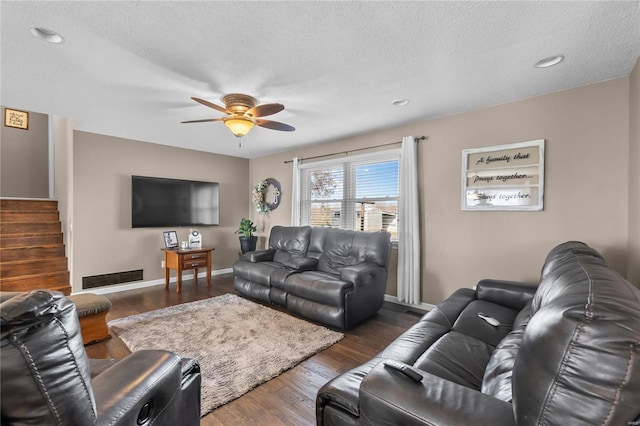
243, 114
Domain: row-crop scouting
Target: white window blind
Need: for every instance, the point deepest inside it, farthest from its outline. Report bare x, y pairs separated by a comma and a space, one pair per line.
359, 193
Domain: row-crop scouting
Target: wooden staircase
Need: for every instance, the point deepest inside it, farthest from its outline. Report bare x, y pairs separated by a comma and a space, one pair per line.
32, 254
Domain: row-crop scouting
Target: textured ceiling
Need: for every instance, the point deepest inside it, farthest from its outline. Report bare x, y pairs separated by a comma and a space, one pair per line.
128, 69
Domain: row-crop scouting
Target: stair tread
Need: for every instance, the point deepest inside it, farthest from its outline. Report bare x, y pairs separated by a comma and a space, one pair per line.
31, 247
35, 222
25, 212
31, 234
61, 258
38, 275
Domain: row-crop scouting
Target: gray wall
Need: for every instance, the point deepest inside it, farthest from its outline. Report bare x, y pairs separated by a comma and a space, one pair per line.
633, 271
586, 186
24, 158
103, 240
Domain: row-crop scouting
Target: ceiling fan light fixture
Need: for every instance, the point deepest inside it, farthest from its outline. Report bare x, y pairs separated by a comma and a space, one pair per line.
239, 126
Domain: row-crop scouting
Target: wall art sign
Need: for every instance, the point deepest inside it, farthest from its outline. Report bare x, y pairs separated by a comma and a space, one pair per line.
504, 177
17, 119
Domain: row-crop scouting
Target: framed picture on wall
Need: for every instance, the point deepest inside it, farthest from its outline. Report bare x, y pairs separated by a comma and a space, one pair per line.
504, 177
17, 119
170, 239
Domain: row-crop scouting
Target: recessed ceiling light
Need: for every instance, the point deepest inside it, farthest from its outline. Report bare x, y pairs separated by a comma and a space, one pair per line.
400, 102
46, 35
550, 61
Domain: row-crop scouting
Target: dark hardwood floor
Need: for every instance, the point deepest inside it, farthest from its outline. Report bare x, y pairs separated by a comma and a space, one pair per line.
288, 399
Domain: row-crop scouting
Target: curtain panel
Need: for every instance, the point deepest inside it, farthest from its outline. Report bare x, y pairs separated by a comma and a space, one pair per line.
409, 224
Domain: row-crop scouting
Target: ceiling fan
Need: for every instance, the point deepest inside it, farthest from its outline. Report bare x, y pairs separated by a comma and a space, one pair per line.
243, 114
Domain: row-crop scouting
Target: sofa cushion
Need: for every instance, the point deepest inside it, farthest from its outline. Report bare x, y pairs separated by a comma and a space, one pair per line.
320, 287
256, 272
497, 376
344, 248
471, 322
578, 356
289, 242
457, 357
563, 253
39, 389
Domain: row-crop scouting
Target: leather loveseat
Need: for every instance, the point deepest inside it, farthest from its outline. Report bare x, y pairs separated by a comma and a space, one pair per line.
563, 353
47, 378
335, 276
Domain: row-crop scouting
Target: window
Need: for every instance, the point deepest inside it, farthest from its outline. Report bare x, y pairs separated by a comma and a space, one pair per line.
359, 193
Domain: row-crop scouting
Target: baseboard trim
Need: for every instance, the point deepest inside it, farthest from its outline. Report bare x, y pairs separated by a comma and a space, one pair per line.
422, 306
142, 284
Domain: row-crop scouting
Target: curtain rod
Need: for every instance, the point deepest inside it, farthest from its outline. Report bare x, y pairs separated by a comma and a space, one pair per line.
418, 139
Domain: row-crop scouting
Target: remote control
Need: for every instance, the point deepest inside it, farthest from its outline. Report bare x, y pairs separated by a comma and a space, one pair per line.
404, 369
490, 320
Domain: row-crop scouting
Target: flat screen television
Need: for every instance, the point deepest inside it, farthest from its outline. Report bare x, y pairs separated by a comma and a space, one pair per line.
162, 202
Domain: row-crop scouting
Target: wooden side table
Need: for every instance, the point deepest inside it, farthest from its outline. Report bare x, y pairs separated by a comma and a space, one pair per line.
186, 259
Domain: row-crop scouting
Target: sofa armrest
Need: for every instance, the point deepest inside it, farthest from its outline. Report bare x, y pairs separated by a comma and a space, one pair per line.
259, 256
512, 294
145, 384
389, 397
363, 274
301, 263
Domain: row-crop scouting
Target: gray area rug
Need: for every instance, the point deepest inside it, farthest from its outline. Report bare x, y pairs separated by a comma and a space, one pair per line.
239, 344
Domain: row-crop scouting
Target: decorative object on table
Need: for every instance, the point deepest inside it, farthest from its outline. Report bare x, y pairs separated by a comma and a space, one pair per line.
265, 343
170, 239
266, 195
195, 238
504, 177
17, 119
248, 241
243, 114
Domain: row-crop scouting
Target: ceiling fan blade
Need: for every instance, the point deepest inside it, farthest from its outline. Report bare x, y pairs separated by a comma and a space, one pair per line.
203, 120
210, 105
264, 110
275, 125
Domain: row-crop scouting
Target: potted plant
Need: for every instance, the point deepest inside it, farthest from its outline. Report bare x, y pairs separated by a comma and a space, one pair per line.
247, 239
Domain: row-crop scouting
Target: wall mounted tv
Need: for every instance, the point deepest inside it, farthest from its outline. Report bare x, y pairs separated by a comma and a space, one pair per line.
161, 202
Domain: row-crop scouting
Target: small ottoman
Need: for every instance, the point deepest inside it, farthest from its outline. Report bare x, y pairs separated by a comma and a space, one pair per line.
92, 311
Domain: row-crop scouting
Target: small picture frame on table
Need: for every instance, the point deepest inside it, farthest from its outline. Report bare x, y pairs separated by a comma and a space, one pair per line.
170, 239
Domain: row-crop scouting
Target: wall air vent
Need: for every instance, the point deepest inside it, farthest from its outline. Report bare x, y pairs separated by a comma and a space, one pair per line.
111, 279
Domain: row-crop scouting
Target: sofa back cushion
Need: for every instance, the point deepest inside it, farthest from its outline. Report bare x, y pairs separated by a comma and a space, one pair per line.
289, 242
339, 248
578, 359
563, 253
46, 375
497, 376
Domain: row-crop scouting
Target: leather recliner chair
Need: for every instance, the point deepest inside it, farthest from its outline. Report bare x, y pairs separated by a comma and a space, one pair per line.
47, 378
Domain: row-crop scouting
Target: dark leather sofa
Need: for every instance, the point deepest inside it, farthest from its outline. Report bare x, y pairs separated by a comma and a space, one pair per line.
334, 276
47, 378
566, 352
